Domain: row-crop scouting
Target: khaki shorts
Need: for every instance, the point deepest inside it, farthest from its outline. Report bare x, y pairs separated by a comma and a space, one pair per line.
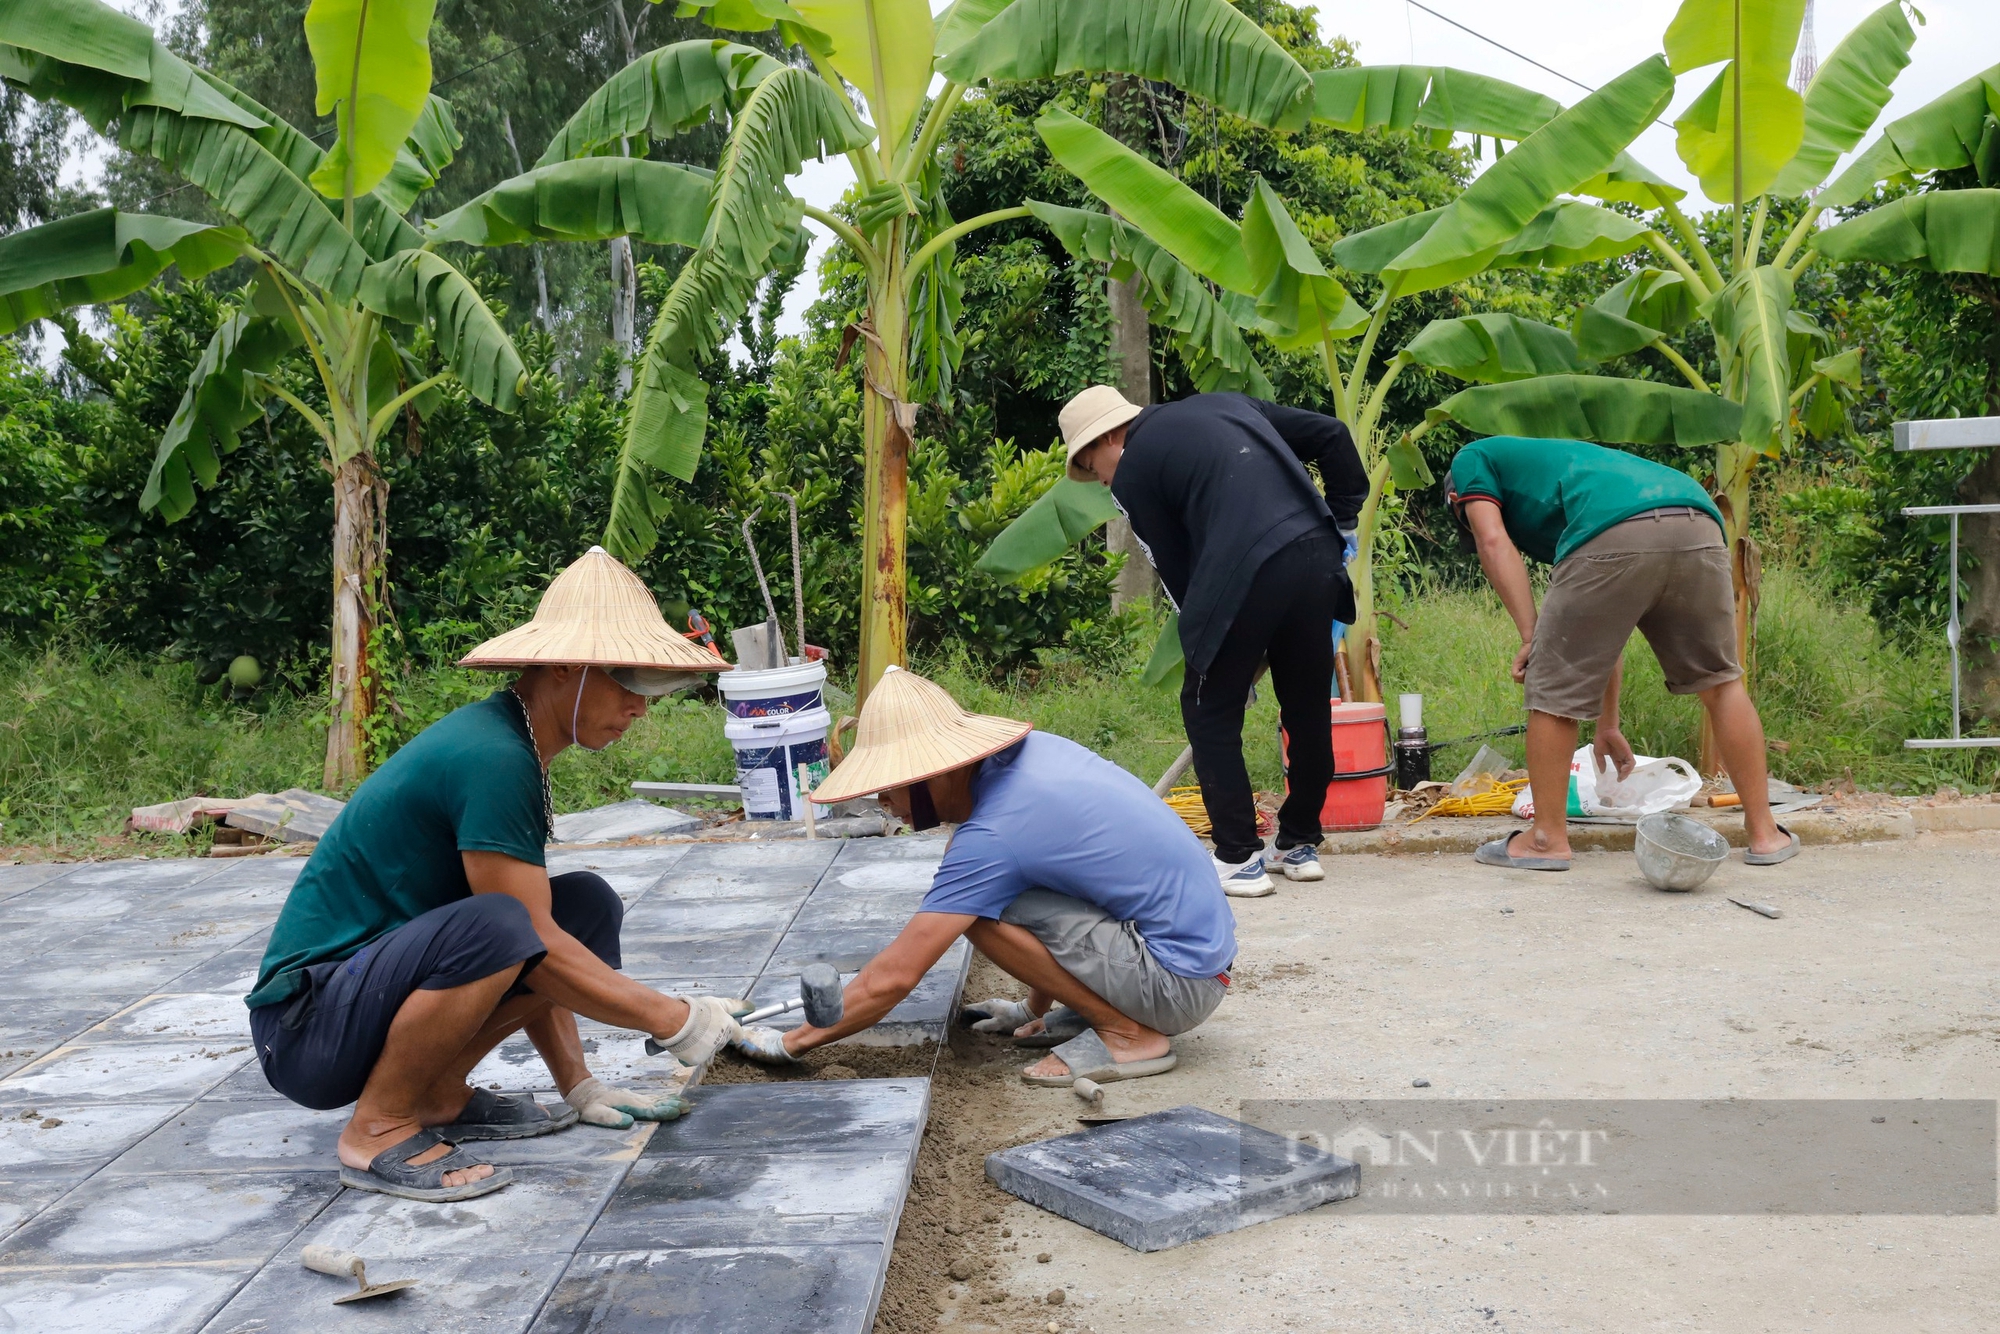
1110, 957
1668, 578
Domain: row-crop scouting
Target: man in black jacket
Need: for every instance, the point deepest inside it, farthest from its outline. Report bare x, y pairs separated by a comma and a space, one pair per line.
1252, 555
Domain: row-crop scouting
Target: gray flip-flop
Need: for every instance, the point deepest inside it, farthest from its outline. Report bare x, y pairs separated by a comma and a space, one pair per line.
391, 1173
1059, 1025
1495, 854
1088, 1058
1784, 854
490, 1115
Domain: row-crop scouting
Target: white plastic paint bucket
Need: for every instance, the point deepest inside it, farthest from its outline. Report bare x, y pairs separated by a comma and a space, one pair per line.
778, 691
769, 752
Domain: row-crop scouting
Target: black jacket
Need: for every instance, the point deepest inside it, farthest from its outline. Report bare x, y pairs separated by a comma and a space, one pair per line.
1215, 484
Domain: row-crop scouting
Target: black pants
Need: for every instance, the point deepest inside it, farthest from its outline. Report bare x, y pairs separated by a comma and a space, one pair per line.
319, 1047
1286, 617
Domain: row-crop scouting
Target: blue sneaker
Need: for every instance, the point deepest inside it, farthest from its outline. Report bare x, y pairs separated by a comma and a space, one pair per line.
1300, 863
1244, 880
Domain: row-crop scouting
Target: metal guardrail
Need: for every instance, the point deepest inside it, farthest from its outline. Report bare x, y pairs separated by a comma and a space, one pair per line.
1950, 433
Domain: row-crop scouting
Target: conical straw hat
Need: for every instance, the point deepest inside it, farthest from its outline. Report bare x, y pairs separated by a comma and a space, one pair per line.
911, 729
596, 612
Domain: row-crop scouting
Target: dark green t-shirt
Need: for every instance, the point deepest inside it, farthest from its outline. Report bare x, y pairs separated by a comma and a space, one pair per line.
469, 782
1555, 495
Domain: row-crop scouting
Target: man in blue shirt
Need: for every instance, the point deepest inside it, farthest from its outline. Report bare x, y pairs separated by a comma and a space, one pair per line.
1065, 870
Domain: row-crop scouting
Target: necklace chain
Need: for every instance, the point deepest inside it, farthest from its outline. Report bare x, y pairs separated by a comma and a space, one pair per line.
534, 746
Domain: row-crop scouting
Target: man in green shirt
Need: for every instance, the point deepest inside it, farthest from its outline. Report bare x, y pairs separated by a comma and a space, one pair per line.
426, 929
1635, 545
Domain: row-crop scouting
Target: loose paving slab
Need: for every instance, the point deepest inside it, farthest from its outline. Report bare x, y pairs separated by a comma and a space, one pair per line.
637, 818
1176, 1176
151, 1180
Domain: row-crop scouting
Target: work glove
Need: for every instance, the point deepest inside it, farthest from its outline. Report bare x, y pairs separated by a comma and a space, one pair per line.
709, 1026
764, 1045
602, 1105
995, 1016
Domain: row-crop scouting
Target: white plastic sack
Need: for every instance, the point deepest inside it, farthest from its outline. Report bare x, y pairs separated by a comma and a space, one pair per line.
1654, 785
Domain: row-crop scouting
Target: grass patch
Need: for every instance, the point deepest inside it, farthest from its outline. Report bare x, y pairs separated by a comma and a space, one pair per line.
86, 733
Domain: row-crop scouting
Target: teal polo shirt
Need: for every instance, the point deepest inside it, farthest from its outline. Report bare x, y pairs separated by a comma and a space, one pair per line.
470, 782
1555, 495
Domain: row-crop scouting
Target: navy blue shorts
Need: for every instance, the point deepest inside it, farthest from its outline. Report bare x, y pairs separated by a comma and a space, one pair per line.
319, 1047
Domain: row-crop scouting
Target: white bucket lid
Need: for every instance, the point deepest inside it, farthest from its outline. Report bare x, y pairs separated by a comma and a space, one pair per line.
779, 727
741, 684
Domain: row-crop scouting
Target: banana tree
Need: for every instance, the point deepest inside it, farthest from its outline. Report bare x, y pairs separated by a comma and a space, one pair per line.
882, 55
339, 272
1763, 148
1274, 283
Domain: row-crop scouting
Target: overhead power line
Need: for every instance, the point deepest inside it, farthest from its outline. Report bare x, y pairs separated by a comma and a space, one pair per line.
1443, 18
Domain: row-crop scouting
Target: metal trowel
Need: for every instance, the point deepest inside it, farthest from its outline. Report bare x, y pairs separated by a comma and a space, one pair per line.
346, 1264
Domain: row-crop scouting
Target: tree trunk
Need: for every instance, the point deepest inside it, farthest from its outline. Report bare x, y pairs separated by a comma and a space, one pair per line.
541, 273
624, 276
888, 418
360, 518
624, 300
1132, 363
1131, 341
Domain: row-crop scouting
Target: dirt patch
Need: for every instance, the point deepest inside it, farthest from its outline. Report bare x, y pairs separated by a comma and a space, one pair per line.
954, 1253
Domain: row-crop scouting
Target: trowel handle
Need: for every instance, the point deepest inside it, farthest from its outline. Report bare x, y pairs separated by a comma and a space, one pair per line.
332, 1260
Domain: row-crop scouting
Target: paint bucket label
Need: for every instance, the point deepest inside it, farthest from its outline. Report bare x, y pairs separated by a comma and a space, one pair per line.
770, 782
772, 706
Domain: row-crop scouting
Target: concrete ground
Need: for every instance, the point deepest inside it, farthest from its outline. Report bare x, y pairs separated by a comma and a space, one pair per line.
1878, 981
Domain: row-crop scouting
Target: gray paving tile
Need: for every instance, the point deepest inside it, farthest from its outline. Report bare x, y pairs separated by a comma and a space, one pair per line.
845, 948
744, 870
152, 1300
124, 1072
455, 1294
237, 1137
579, 1144
143, 873
613, 1055
922, 1016
233, 971
548, 1208
19, 879
835, 1116
637, 818
246, 1085
729, 954
756, 1199
833, 908
823, 1289
662, 916
22, 1200
904, 847
265, 872
85, 1138
31, 937
29, 1028
135, 1220
91, 972
209, 1017
191, 934
630, 871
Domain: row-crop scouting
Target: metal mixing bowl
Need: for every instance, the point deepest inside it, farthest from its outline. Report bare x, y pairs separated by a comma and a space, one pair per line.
1676, 852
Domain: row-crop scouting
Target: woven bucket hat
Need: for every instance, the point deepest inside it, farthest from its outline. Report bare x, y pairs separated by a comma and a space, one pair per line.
912, 729
597, 613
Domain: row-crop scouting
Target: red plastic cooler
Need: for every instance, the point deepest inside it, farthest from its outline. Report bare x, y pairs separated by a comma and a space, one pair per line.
1360, 788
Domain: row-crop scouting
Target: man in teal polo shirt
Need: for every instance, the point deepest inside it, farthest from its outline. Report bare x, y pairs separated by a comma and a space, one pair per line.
1635, 545
426, 928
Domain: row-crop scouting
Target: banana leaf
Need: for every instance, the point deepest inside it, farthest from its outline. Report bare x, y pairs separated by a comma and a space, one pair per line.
1066, 513
1493, 348
1945, 231
102, 255
1596, 408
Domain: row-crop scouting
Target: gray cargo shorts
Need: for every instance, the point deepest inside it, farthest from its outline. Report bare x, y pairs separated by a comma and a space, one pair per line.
1110, 957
